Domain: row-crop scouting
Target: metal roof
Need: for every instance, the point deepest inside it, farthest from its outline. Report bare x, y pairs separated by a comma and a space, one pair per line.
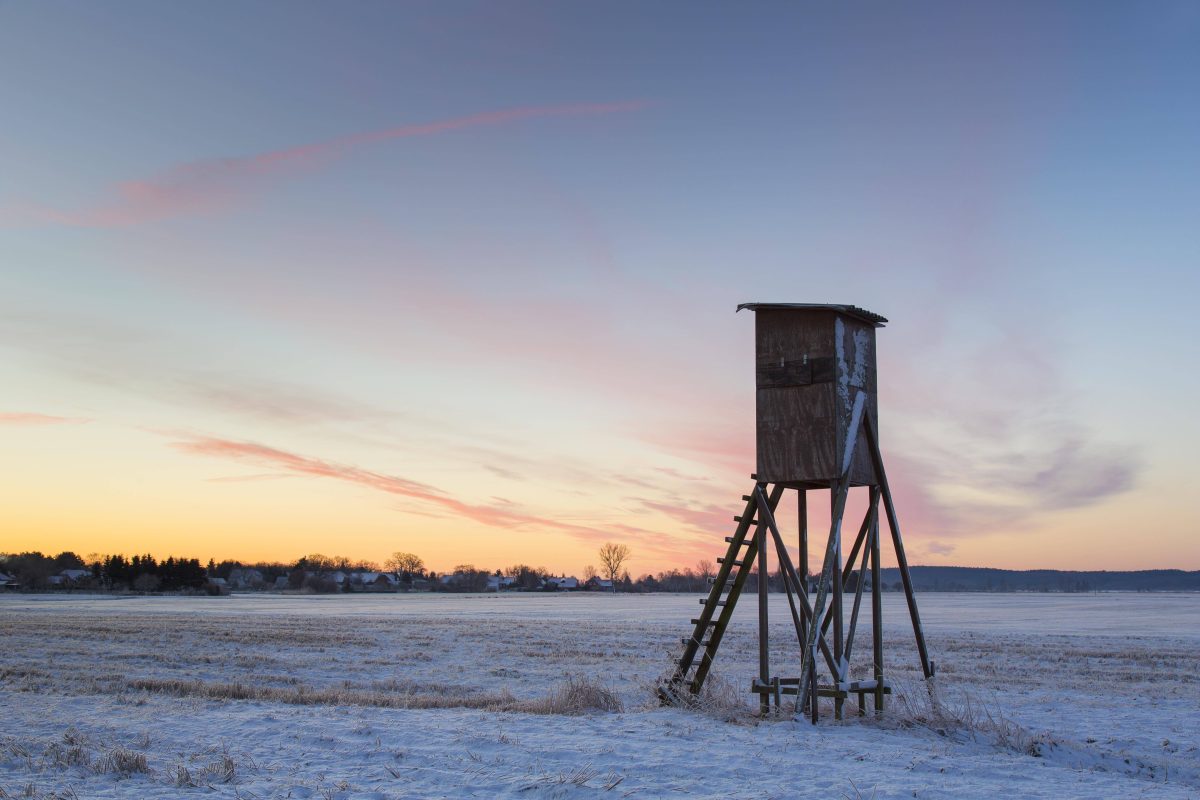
869, 317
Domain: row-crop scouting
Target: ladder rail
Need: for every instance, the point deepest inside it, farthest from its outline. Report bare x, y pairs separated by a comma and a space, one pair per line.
714, 595
714, 640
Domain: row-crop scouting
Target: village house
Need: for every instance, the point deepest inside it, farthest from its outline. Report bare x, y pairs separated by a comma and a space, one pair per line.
498, 582
597, 584
563, 583
70, 578
246, 578
219, 585
374, 582
8, 581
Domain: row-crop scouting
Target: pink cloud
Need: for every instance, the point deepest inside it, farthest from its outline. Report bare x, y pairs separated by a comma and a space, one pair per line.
500, 515
709, 519
218, 184
27, 418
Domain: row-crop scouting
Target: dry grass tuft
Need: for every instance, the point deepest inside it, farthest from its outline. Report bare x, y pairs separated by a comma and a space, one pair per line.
719, 698
857, 793
410, 696
923, 704
578, 695
122, 762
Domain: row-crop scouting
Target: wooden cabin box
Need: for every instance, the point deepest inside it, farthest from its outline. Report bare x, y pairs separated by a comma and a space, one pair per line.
811, 362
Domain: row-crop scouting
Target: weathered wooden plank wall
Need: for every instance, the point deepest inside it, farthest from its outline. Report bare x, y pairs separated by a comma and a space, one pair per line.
809, 365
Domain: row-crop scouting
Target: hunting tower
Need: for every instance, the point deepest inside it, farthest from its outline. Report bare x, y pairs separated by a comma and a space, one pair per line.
816, 429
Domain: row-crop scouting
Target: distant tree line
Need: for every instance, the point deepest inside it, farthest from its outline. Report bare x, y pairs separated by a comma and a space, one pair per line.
35, 571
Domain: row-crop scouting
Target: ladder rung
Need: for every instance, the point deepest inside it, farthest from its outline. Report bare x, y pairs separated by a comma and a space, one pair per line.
753, 521
710, 622
721, 560
689, 640
747, 497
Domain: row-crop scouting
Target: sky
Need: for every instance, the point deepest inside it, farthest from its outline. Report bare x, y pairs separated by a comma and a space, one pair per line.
459, 278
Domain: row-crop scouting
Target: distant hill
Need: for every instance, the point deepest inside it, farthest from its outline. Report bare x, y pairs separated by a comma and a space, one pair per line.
984, 579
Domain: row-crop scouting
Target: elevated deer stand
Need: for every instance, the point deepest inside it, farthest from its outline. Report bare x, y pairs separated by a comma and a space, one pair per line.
816, 429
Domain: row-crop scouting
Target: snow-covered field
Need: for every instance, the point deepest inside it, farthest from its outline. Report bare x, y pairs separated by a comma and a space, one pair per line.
402, 696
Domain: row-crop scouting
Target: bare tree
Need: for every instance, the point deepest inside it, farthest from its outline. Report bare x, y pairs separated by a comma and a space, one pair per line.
406, 563
704, 570
612, 558
467, 578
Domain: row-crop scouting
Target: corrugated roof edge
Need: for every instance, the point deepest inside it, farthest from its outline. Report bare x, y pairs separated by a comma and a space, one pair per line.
852, 311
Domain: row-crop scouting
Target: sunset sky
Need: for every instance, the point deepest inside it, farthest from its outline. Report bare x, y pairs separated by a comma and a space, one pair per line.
460, 278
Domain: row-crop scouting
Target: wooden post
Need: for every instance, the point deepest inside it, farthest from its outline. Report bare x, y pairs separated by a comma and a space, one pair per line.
838, 642
802, 514
876, 603
898, 543
764, 655
858, 592
814, 696
808, 676
858, 542
802, 510
792, 579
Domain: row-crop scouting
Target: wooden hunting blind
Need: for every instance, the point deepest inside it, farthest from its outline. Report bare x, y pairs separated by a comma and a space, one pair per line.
812, 361
816, 428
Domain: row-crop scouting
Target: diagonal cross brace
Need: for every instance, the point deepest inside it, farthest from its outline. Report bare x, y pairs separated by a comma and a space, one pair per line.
807, 673
792, 583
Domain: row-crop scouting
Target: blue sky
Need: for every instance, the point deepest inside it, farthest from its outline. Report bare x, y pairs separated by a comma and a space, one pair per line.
494, 250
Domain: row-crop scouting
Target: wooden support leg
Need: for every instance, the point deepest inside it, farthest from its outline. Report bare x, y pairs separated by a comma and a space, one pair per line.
893, 524
838, 621
808, 674
858, 593
802, 515
808, 671
876, 604
764, 656
802, 510
813, 696
792, 583
858, 543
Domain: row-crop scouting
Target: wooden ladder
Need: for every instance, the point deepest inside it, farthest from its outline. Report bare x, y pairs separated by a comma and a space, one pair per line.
700, 648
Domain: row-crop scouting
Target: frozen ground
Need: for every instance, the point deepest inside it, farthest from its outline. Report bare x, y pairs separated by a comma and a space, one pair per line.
402, 696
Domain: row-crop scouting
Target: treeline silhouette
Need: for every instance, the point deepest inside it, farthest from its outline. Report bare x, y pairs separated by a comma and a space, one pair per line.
34, 571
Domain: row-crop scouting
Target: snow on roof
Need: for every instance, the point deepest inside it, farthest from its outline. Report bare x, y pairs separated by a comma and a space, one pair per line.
372, 577
850, 311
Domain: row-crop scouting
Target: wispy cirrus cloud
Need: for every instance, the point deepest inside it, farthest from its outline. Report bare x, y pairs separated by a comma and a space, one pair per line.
707, 519
502, 514
141, 361
218, 184
30, 418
